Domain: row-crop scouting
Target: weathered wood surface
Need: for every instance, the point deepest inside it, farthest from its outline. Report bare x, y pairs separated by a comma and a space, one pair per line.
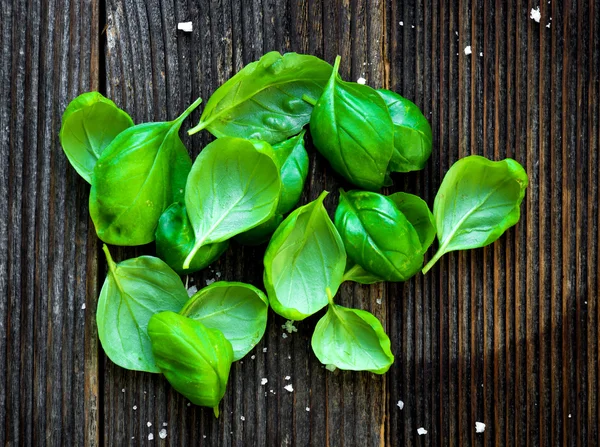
506, 335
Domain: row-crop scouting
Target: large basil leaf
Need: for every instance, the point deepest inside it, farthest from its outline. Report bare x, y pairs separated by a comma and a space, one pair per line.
352, 128
137, 177
175, 239
194, 359
352, 339
231, 188
236, 309
292, 159
477, 202
264, 100
418, 214
412, 133
377, 236
89, 124
304, 258
133, 291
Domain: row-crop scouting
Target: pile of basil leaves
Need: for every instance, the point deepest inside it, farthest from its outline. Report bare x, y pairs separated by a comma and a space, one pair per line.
245, 186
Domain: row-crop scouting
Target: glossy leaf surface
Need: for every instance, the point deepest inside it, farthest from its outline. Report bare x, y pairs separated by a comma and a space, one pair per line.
236, 309
175, 239
477, 202
231, 188
352, 128
264, 99
377, 236
138, 176
304, 258
418, 214
194, 358
133, 291
89, 125
356, 273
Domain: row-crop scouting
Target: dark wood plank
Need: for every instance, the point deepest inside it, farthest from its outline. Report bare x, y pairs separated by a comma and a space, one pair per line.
48, 257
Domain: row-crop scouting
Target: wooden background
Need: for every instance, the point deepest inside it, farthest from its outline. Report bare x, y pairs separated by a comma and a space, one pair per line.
506, 335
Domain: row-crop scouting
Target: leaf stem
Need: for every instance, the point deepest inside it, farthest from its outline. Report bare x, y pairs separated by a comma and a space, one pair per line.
309, 100
187, 111
433, 260
111, 264
329, 296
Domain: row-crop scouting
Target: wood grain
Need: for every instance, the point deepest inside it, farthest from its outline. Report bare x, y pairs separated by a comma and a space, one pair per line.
506, 335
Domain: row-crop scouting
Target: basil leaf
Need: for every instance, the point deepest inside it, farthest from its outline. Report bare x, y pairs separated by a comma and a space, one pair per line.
352, 128
231, 188
236, 309
418, 214
304, 258
291, 158
377, 236
137, 177
133, 291
412, 133
352, 339
356, 273
89, 124
194, 359
264, 100
477, 202
175, 239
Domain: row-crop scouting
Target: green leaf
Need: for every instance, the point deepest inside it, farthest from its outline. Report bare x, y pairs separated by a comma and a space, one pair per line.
418, 214
133, 291
236, 309
356, 273
264, 100
304, 258
477, 202
175, 239
377, 236
194, 358
412, 133
89, 124
352, 128
137, 177
260, 234
352, 339
232, 188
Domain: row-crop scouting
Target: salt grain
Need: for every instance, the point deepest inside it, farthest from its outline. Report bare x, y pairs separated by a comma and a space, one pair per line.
188, 404
252, 357
150, 436
569, 415
421, 431
468, 50
135, 407
165, 424
400, 404
547, 26
412, 26
263, 381
185, 26
535, 14
401, 23
123, 390
284, 335
289, 388
242, 418
307, 409
264, 349
481, 54
287, 377
83, 306
162, 434
361, 80
479, 427
378, 300
149, 424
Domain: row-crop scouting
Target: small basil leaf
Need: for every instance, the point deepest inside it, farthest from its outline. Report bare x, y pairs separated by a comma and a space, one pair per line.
477, 202
418, 214
175, 239
412, 133
231, 188
137, 177
236, 309
377, 236
194, 358
89, 124
352, 339
264, 100
352, 128
133, 291
304, 258
356, 273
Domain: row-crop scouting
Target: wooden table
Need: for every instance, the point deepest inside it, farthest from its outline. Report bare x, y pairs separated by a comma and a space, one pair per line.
506, 335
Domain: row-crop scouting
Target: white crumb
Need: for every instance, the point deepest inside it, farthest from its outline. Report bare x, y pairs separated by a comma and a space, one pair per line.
209, 281
83, 306
535, 14
468, 50
481, 54
135, 407
165, 424
569, 415
412, 26
149, 424
361, 80
289, 388
287, 377
421, 431
185, 26
378, 300
123, 390
162, 434
192, 290
188, 404
479, 427
456, 32
242, 418
252, 357
263, 381
401, 23
548, 26
150, 436
284, 335
289, 326
264, 349
400, 404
